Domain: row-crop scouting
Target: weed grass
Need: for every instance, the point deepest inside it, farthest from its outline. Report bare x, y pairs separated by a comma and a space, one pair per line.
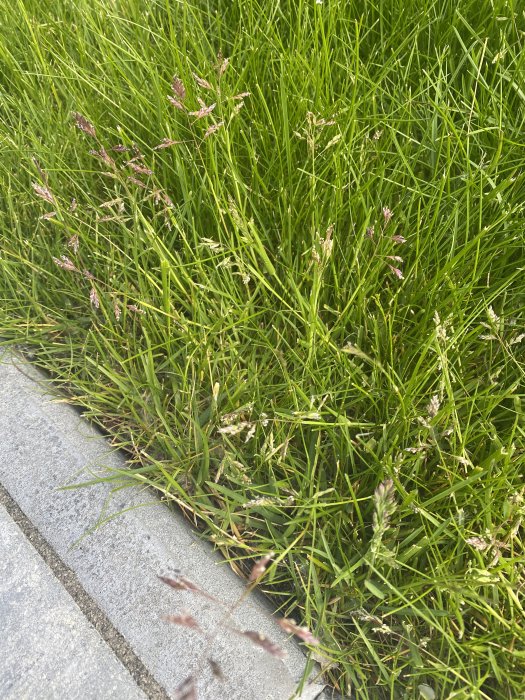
301, 312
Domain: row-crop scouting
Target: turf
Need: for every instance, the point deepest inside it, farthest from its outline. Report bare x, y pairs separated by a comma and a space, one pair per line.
301, 311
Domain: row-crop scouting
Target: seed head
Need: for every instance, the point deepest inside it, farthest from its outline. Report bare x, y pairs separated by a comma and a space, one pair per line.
140, 169
43, 192
492, 316
290, 626
204, 111
259, 567
223, 67
65, 263
93, 298
216, 670
136, 310
201, 82
327, 243
116, 310
137, 182
176, 103
262, 641
212, 129
187, 690
396, 271
387, 215
478, 543
181, 583
84, 125
238, 108
384, 504
433, 406
104, 157
165, 143
184, 620
178, 88
73, 243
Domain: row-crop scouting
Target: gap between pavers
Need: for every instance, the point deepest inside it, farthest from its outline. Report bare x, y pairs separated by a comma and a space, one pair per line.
45, 445
39, 615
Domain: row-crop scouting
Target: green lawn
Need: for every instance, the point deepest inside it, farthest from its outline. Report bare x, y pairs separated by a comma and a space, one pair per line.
301, 311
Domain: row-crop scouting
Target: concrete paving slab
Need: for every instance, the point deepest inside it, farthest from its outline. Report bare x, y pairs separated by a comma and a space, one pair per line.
45, 445
47, 647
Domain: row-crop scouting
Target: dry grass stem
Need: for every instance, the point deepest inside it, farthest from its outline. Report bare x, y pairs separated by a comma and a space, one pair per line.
41, 172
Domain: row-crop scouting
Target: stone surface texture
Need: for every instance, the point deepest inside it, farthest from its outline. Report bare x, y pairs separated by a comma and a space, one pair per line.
38, 614
117, 541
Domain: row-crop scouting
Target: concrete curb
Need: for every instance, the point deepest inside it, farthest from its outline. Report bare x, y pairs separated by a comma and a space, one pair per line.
29, 592
46, 445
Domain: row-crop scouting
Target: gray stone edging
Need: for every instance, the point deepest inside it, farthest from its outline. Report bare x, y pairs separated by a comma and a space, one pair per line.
46, 445
38, 614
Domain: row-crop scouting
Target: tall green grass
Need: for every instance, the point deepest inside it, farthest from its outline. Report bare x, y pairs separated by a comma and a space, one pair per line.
306, 326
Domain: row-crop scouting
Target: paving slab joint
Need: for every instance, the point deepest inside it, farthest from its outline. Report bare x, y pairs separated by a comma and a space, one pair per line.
93, 613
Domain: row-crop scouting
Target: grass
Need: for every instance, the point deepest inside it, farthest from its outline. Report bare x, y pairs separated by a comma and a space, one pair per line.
306, 325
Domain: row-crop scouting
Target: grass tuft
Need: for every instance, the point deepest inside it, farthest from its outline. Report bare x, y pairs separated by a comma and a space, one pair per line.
277, 252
